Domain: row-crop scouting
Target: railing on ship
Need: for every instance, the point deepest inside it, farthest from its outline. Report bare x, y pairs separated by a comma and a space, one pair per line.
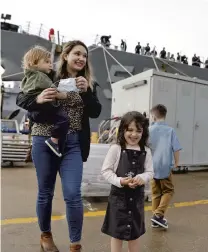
42, 31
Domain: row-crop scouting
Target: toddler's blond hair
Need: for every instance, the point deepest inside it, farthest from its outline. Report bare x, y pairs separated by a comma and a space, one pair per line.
34, 55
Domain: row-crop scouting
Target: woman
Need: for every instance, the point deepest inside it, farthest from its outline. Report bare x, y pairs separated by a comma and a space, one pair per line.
74, 62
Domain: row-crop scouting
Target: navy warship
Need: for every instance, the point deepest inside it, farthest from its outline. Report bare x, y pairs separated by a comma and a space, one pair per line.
109, 66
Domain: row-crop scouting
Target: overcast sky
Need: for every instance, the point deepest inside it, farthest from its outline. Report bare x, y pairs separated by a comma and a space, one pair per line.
179, 25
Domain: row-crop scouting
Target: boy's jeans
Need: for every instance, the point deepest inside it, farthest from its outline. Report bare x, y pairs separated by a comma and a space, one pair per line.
162, 192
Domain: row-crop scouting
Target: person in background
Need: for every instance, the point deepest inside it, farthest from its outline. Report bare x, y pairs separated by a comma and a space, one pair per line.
194, 60
163, 53
199, 62
164, 145
138, 48
172, 58
184, 59
154, 53
147, 49
127, 167
51, 35
206, 63
123, 45
178, 57
105, 40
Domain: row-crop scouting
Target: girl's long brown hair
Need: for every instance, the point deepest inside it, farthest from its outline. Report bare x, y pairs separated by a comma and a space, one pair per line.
62, 72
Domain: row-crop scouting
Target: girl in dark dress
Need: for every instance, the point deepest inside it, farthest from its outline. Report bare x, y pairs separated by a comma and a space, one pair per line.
128, 167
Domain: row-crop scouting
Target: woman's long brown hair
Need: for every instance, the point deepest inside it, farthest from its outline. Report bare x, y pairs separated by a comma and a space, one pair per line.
62, 72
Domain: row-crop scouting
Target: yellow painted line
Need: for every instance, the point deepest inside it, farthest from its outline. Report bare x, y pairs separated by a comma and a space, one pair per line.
191, 203
95, 214
28, 220
102, 213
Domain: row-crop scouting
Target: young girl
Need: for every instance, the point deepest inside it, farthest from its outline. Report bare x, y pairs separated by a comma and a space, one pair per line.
127, 166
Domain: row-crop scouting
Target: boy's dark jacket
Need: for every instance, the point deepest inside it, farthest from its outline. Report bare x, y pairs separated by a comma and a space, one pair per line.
92, 109
35, 81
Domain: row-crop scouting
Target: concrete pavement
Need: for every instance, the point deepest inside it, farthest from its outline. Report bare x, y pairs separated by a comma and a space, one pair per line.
188, 217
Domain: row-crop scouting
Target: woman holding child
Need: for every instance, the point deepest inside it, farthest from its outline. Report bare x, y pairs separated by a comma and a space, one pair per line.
78, 107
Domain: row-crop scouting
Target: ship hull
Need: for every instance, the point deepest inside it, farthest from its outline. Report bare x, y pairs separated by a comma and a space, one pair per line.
106, 72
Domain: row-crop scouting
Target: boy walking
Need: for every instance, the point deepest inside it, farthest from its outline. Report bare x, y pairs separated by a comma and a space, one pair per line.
164, 145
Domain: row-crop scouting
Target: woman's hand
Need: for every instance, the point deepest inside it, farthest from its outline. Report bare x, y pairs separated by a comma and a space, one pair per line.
61, 95
47, 95
82, 84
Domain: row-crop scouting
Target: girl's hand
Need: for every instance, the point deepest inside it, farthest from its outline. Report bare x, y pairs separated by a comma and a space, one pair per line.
47, 95
125, 181
82, 84
136, 181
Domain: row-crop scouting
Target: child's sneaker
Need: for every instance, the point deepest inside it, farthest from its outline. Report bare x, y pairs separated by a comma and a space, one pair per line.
155, 225
54, 147
159, 221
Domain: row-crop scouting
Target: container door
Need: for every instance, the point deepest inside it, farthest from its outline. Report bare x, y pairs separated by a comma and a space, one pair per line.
122, 101
200, 153
185, 119
164, 92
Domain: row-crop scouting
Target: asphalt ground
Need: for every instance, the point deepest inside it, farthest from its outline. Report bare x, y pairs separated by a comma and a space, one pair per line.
187, 217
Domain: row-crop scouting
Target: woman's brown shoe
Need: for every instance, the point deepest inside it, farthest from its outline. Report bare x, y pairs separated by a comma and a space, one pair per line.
47, 244
75, 248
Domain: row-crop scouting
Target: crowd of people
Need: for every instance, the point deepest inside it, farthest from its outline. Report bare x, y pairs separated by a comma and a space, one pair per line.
146, 50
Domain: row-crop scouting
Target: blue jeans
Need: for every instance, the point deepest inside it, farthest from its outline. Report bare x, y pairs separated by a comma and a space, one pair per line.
70, 168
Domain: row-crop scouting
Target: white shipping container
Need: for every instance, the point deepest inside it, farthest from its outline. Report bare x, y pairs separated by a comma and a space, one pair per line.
186, 100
